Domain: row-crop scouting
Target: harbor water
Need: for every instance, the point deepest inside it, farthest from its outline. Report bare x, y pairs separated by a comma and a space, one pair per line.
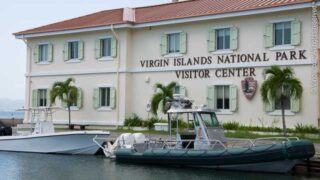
11, 114
29, 166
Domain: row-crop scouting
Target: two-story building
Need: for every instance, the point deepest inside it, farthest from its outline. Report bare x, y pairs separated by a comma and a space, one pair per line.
217, 51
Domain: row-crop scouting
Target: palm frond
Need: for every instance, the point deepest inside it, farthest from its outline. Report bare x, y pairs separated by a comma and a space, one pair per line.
155, 101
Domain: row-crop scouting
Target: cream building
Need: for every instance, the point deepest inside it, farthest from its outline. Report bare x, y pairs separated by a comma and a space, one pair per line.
216, 50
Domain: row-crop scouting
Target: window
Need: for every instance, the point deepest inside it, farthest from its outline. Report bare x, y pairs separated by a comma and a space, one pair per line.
42, 98
105, 50
223, 100
173, 43
209, 119
73, 49
104, 97
223, 97
43, 53
176, 90
223, 38
282, 33
291, 104
286, 101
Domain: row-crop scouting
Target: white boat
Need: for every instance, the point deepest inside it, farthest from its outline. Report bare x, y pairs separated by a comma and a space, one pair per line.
44, 139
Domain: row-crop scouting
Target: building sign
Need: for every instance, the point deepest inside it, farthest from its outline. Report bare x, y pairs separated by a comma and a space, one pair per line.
206, 61
249, 87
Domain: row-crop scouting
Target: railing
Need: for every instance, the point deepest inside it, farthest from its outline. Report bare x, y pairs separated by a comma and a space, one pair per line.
273, 139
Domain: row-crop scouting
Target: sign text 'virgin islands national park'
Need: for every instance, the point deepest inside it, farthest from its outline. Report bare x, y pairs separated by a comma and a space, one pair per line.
204, 62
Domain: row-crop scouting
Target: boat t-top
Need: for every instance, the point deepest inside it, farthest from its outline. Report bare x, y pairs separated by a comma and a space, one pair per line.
206, 146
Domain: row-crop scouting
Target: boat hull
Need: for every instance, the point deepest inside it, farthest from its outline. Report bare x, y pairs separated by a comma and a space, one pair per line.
80, 142
277, 157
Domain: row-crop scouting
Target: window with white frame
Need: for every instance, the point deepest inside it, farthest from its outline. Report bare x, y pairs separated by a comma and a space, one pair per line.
105, 50
43, 53
282, 33
104, 97
42, 98
223, 38
176, 89
223, 97
286, 99
173, 43
73, 49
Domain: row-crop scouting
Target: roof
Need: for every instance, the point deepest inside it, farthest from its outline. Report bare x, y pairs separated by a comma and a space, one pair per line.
162, 12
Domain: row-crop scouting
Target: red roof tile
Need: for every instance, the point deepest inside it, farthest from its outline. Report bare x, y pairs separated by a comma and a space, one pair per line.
204, 7
191, 8
92, 20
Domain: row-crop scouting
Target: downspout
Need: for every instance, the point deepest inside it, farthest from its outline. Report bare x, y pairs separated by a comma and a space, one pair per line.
315, 55
118, 78
28, 74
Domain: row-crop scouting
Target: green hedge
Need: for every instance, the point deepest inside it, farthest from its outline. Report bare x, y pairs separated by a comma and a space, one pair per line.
136, 121
299, 128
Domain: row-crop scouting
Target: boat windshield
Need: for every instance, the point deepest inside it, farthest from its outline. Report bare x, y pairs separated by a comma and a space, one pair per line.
209, 119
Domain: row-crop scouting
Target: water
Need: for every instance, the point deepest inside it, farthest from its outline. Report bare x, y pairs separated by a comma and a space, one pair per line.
11, 114
27, 166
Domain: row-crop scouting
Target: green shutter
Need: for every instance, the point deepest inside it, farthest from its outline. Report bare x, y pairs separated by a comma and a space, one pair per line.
295, 105
212, 40
34, 98
96, 100
183, 42
164, 45
182, 90
112, 98
97, 49
81, 50
48, 98
211, 97
234, 38
269, 106
79, 98
295, 33
50, 52
36, 54
233, 98
269, 36
66, 51
114, 47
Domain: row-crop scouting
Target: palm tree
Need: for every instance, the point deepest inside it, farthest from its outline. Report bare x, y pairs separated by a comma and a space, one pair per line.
66, 92
162, 97
279, 85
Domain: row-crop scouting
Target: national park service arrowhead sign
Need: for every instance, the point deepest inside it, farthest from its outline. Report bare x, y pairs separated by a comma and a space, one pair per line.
249, 87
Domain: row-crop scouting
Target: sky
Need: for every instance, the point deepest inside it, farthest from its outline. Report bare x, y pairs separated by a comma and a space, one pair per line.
18, 15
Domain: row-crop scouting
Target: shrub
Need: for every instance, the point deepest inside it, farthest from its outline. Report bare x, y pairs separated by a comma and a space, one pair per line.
150, 122
133, 121
182, 124
231, 125
299, 128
